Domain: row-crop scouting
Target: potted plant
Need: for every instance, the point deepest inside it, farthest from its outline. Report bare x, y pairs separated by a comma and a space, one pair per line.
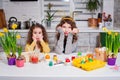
8, 41
50, 15
20, 59
92, 6
112, 43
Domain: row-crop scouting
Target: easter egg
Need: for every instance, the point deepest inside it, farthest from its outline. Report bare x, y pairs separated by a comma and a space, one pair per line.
47, 56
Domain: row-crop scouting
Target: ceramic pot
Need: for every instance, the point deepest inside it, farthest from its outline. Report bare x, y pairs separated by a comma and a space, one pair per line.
11, 60
48, 24
92, 22
20, 63
111, 61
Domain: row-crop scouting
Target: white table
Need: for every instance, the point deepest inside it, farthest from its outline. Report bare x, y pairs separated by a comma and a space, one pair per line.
42, 71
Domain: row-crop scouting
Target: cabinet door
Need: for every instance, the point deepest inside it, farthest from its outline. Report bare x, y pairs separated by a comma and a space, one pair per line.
2, 19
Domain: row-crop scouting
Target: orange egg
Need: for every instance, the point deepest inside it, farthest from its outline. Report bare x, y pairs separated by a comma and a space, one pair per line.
90, 56
47, 56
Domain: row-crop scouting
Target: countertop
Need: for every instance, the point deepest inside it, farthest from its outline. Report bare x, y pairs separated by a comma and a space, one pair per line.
81, 30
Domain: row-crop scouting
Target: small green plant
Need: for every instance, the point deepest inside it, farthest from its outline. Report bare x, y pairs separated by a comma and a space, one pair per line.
93, 5
19, 50
50, 14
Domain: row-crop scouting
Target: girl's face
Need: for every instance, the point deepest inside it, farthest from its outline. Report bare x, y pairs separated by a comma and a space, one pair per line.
66, 28
37, 34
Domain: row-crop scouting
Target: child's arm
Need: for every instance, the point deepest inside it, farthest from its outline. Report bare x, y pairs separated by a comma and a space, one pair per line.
45, 47
59, 44
30, 47
74, 46
70, 47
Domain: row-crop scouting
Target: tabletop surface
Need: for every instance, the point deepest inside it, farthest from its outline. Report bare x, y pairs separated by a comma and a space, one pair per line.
42, 69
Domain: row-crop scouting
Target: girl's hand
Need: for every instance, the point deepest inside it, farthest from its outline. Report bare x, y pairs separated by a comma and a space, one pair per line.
75, 30
34, 39
60, 29
41, 38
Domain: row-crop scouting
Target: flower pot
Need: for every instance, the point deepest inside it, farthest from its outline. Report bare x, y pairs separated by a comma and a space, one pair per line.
20, 63
111, 61
92, 22
11, 60
48, 24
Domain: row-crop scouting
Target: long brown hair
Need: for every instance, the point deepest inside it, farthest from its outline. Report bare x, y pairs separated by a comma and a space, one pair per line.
30, 34
69, 20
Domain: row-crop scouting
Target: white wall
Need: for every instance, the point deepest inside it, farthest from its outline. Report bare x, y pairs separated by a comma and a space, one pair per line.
109, 8
0, 4
25, 10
